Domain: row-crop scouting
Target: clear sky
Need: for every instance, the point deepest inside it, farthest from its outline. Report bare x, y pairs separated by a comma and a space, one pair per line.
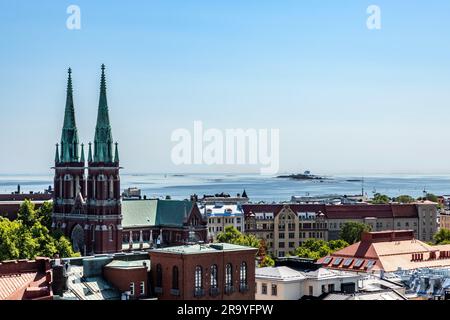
345, 98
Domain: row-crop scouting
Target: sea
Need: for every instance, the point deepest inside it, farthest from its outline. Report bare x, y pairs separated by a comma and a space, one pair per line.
257, 187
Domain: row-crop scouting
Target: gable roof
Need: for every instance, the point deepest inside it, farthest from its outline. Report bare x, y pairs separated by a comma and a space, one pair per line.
155, 212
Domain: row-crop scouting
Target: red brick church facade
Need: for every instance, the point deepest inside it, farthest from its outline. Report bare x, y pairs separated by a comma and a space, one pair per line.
87, 200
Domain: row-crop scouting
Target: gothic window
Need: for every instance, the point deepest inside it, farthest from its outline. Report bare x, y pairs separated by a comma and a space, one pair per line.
93, 233
158, 275
228, 275
110, 232
243, 274
214, 276
198, 278
175, 278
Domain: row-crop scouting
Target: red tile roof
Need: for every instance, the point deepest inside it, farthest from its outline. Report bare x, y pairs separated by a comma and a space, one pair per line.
341, 211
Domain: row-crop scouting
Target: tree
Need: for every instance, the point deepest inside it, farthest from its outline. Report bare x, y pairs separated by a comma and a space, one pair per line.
379, 198
28, 236
229, 235
442, 236
336, 245
26, 213
267, 261
8, 239
351, 231
405, 199
44, 214
64, 248
431, 197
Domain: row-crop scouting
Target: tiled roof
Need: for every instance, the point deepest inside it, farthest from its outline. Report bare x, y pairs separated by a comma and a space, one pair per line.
388, 255
341, 211
9, 284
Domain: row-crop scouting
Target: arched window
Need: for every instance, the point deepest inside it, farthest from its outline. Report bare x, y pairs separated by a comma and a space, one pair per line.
158, 275
175, 278
214, 276
243, 274
110, 232
93, 233
228, 275
198, 278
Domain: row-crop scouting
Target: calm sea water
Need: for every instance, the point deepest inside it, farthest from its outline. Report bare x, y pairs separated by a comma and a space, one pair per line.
259, 188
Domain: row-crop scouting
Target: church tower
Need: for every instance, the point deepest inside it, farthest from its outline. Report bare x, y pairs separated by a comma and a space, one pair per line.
69, 179
103, 183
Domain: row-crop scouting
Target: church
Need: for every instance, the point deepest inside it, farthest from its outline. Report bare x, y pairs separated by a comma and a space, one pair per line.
87, 203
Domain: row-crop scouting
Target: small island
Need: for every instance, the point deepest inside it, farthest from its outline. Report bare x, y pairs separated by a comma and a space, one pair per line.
302, 176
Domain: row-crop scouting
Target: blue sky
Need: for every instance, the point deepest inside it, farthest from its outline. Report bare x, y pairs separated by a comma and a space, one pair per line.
346, 99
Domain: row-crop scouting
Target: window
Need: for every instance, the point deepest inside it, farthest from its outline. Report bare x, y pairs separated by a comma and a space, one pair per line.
142, 288
331, 287
291, 244
228, 275
198, 278
110, 232
264, 288
323, 289
243, 274
158, 275
281, 254
291, 235
274, 289
281, 244
311, 290
132, 288
281, 235
214, 276
175, 278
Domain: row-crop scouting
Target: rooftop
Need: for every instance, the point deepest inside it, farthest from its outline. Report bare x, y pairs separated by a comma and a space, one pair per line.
203, 248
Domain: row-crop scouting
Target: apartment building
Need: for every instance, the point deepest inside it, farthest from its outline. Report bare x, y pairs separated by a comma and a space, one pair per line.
219, 216
286, 226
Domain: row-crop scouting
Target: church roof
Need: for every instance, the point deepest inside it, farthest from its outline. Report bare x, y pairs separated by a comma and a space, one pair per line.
69, 135
155, 212
103, 142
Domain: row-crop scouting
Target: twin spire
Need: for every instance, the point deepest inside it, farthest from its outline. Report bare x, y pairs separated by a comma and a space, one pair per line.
103, 142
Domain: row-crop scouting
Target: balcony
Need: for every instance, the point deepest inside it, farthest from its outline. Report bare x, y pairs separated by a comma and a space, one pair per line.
243, 287
229, 289
214, 292
175, 292
158, 290
198, 292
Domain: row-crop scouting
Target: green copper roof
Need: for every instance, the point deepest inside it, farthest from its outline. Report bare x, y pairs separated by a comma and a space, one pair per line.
171, 213
90, 152
103, 142
69, 136
82, 153
57, 154
116, 154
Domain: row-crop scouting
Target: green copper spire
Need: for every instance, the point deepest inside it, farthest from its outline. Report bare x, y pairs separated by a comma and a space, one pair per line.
57, 154
69, 136
103, 137
116, 154
82, 153
90, 153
